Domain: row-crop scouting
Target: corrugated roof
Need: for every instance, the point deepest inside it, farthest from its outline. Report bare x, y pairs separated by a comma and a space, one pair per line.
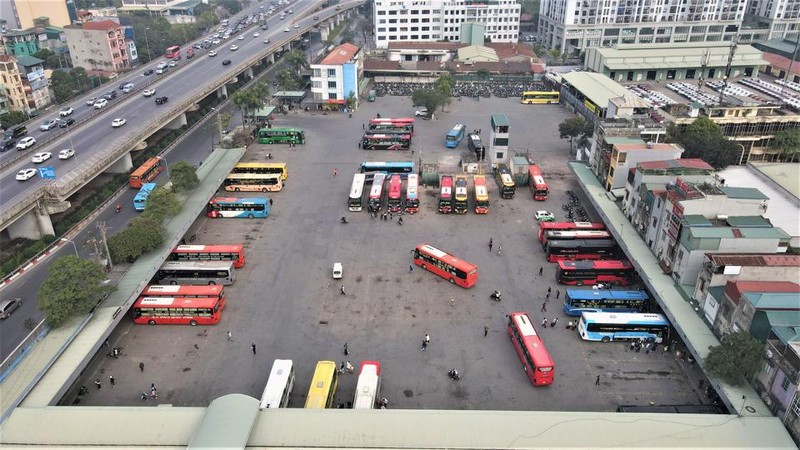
780, 62
787, 334
743, 286
614, 140
774, 300
477, 53
103, 25
27, 61
689, 163
648, 146
595, 86
418, 45
677, 55
744, 233
748, 221
340, 55
743, 193
755, 260
500, 120
694, 220
630, 101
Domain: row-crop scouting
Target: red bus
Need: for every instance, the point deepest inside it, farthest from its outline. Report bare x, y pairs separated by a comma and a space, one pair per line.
536, 183
580, 250
454, 270
146, 172
567, 226
395, 193
233, 252
184, 290
481, 195
405, 124
178, 310
446, 195
536, 360
593, 272
173, 52
376, 192
574, 234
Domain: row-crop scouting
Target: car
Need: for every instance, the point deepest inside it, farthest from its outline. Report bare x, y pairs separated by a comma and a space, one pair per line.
149, 92
162, 100
234, 48
118, 122
316, 17
65, 111
286, 30
64, 123
7, 143
212, 53
128, 87
422, 112
26, 174
147, 72
291, 12
266, 41
161, 70
91, 101
544, 216
110, 95
100, 103
49, 124
226, 62
122, 86
8, 306
25, 143
197, 46
241, 38
172, 64
296, 26
67, 153
161, 65
215, 42
337, 271
256, 34
41, 157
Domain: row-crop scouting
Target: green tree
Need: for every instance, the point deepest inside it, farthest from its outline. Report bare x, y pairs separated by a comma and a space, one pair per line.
142, 235
704, 139
736, 359
788, 141
429, 98
51, 60
161, 204
73, 286
352, 100
347, 36
232, 6
444, 87
287, 80
184, 176
575, 127
12, 118
483, 73
249, 100
297, 61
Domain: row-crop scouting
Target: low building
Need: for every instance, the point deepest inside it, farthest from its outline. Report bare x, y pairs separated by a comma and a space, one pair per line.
11, 81
174, 11
746, 306
779, 378
611, 131
625, 156
337, 77
98, 46
35, 83
29, 41
781, 67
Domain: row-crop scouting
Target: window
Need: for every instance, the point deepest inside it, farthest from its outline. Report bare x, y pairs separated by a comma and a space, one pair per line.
332, 95
785, 384
316, 84
317, 73
671, 74
690, 73
331, 85
503, 142
655, 221
331, 72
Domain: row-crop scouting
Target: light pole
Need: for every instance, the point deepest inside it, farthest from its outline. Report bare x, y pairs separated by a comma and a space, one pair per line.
73, 246
147, 42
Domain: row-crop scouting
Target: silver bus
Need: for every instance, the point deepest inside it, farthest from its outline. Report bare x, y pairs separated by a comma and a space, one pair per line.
196, 272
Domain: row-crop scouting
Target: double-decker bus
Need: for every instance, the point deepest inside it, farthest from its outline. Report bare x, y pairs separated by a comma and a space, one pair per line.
504, 181
394, 197
376, 192
184, 290
412, 194
402, 167
607, 327
196, 272
544, 227
173, 52
580, 250
323, 386
461, 196
146, 172
368, 387
140, 201
540, 97
455, 135
253, 182
279, 386
593, 272
454, 270
178, 310
536, 360
281, 136
372, 141
571, 235
230, 207
446, 194
232, 252
354, 200
481, 195
536, 183
577, 301
262, 168
402, 124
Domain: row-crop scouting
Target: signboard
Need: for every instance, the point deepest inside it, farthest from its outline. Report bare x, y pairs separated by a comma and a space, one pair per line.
48, 173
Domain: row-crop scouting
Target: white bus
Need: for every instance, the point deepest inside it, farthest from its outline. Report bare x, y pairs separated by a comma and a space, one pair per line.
196, 272
279, 385
355, 201
369, 385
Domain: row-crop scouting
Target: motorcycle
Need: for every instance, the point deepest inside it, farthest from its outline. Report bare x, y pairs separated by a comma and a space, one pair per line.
118, 208
400, 221
344, 219
496, 296
453, 374
115, 352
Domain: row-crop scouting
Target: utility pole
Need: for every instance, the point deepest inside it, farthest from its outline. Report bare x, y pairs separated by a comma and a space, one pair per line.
701, 80
103, 229
727, 74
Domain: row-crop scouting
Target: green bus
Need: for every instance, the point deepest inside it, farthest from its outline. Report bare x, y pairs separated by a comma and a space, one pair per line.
281, 135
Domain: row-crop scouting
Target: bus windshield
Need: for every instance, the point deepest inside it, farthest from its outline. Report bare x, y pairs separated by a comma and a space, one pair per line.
577, 301
354, 200
233, 252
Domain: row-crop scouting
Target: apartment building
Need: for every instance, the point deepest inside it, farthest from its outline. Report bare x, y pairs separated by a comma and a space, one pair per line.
29, 41
337, 76
780, 17
747, 305
625, 156
98, 46
21, 14
778, 380
11, 82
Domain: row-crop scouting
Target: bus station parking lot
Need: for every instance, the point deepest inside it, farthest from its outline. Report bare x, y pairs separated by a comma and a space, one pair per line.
287, 303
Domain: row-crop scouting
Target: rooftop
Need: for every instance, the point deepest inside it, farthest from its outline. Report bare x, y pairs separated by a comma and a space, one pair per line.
774, 301
737, 233
595, 86
785, 175
683, 55
688, 163
648, 146
27, 61
477, 53
755, 260
340, 55
781, 62
747, 193
102, 25
764, 286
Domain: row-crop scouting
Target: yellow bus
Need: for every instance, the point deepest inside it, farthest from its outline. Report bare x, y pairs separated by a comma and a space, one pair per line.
253, 182
323, 386
540, 97
260, 167
481, 194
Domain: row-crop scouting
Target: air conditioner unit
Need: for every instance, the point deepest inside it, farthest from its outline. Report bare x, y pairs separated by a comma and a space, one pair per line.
769, 353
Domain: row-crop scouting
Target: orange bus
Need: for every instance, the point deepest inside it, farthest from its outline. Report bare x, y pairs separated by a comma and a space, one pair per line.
395, 193
146, 172
454, 270
446, 195
233, 252
386, 124
537, 184
481, 195
184, 290
536, 360
178, 310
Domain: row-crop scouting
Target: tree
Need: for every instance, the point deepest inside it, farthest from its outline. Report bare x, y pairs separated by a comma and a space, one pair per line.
297, 61
574, 127
233, 6
287, 80
352, 100
788, 141
483, 73
347, 36
161, 204
142, 235
704, 139
184, 176
12, 118
428, 98
73, 286
736, 359
444, 86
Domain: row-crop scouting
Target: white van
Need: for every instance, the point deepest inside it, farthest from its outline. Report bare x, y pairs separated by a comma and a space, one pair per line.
337, 270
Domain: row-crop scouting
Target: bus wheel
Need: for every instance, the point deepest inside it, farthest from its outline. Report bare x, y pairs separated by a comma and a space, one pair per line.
173, 282
249, 216
151, 322
606, 339
193, 323
579, 283
212, 283
236, 189
452, 281
424, 267
264, 190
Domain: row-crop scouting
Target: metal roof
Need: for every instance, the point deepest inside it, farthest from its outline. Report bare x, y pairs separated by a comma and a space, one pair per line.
748, 221
596, 87
741, 233
775, 300
477, 53
743, 192
677, 56
500, 120
755, 259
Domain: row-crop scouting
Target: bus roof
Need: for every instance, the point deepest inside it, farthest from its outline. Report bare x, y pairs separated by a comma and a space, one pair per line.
446, 257
207, 265
524, 324
252, 176
255, 164
208, 248
141, 170
278, 378
506, 179
177, 290
457, 128
148, 187
176, 302
591, 294
577, 234
318, 391
370, 367
619, 318
579, 243
244, 200
602, 264
387, 164
357, 188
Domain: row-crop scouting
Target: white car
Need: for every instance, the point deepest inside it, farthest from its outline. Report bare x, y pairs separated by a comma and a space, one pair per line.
256, 34
66, 111
215, 42
422, 112
286, 30
118, 122
296, 26
544, 216
91, 101
234, 48
67, 153
266, 41
337, 271
41, 157
48, 125
149, 92
241, 38
100, 103
172, 64
25, 174
212, 53
26, 142
127, 88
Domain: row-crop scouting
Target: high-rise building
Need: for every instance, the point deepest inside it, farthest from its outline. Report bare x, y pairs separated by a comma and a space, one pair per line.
21, 14
780, 17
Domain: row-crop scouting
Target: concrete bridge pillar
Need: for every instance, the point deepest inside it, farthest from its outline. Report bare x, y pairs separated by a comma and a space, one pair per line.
271, 58
177, 122
249, 73
194, 107
33, 225
323, 32
123, 165
222, 92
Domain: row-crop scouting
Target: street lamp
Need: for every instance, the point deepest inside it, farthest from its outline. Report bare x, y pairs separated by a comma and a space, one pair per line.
73, 246
147, 42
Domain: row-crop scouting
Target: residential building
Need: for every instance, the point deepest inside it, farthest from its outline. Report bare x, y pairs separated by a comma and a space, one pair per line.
28, 42
777, 382
780, 17
625, 156
11, 82
98, 46
336, 78
752, 306
37, 91
611, 131
22, 14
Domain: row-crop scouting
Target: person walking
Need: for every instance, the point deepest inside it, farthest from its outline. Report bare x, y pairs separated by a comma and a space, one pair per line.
341, 290
544, 322
335, 172
499, 250
485, 330
98, 384
425, 341
346, 349
558, 294
349, 367
452, 300
549, 290
547, 297
410, 268
541, 269
253, 347
270, 201
597, 381
112, 380
141, 366
544, 306
230, 336
341, 367
491, 243
144, 396
554, 323
363, 126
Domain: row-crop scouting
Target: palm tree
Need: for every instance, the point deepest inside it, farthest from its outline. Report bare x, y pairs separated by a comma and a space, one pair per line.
287, 80
247, 100
297, 61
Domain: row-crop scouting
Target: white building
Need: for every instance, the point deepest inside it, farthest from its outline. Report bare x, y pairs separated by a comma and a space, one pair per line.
338, 75
780, 17
436, 20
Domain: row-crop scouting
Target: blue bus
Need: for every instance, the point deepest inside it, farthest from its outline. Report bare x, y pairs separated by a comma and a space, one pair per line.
250, 208
140, 201
402, 167
607, 327
577, 301
455, 135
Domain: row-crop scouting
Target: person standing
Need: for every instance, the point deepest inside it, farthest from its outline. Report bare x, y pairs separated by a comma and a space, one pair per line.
230, 336
141, 366
491, 243
410, 268
452, 301
499, 250
112, 380
341, 290
554, 323
558, 294
541, 269
335, 172
98, 384
253, 347
544, 306
549, 290
547, 297
346, 350
485, 330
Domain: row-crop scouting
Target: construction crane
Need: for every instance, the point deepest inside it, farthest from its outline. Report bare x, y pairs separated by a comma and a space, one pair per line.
727, 75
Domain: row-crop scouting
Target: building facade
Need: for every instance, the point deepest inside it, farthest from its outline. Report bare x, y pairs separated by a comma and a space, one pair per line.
336, 78
777, 382
36, 84
11, 81
98, 46
780, 17
625, 156
28, 42
744, 304
22, 14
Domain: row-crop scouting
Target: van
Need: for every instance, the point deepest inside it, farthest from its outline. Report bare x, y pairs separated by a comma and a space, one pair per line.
16, 131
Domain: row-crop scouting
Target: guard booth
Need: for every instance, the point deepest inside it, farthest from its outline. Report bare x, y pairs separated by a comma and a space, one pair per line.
498, 140
288, 100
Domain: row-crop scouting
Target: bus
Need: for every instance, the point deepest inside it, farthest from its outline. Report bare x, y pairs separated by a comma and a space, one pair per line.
481, 194
253, 182
402, 167
371, 141
557, 235
475, 144
455, 135
536, 183
536, 360
607, 327
446, 194
580, 250
577, 301
146, 172
232, 252
178, 310
196, 272
412, 194
540, 97
594, 272
368, 387
231, 207
376, 192
393, 199
179, 290
279, 386
173, 52
140, 201
292, 136
262, 168
403, 124
354, 201
454, 270
460, 205
323, 386
544, 227
505, 182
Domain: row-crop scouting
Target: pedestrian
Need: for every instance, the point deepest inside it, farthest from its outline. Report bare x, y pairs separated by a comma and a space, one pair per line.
363, 126
549, 290
544, 322
424, 345
270, 201
349, 367
485, 330
544, 307
141, 366
341, 290
230, 336
97, 383
541, 269
144, 396
153, 393
335, 172
346, 350
491, 242
349, 405
499, 250
633, 345
427, 338
112, 380
341, 367
253, 347
547, 297
452, 300
412, 152
558, 294
391, 215
554, 323
410, 268
597, 381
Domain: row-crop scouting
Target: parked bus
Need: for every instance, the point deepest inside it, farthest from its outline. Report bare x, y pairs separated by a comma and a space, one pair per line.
454, 270
536, 183
173, 52
253, 182
460, 205
354, 201
262, 168
394, 198
292, 136
446, 194
376, 192
607, 327
544, 227
481, 194
577, 301
178, 310
250, 208
412, 195
146, 172
475, 144
580, 250
505, 181
368, 387
455, 135
536, 360
196, 272
557, 235
184, 290
540, 97
402, 167
404, 124
140, 201
323, 386
279, 386
231, 252
594, 272
386, 141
